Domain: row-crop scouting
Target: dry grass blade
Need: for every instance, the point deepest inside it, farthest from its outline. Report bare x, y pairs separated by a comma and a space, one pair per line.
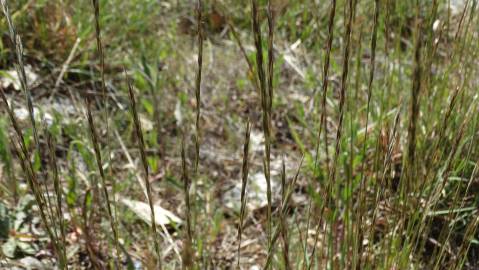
244, 183
144, 162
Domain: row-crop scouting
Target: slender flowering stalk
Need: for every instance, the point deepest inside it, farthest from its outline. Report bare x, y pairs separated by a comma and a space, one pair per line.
188, 255
368, 106
144, 162
265, 93
244, 183
198, 83
58, 194
322, 123
414, 106
99, 161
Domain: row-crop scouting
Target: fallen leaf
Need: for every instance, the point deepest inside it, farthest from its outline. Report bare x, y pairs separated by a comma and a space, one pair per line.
32, 263
162, 216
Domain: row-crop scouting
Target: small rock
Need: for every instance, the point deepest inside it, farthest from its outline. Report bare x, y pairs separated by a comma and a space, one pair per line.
32, 263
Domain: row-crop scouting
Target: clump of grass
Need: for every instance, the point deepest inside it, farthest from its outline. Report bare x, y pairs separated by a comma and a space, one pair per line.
400, 196
48, 220
322, 123
45, 205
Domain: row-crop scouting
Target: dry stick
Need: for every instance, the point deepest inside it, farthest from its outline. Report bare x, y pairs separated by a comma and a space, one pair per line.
188, 256
64, 69
244, 183
96, 148
198, 84
141, 147
322, 123
370, 92
266, 109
